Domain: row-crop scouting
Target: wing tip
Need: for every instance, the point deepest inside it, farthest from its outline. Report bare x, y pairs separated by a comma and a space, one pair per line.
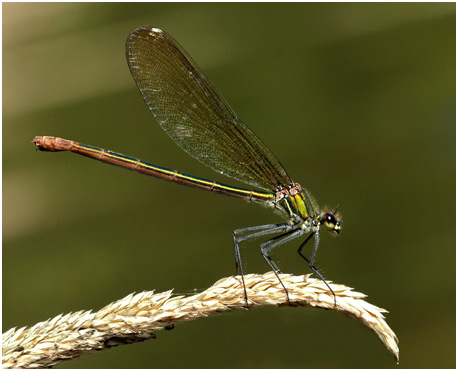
149, 29
156, 30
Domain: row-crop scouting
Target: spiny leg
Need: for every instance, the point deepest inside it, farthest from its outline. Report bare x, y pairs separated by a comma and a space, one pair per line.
268, 242
312, 258
267, 229
290, 235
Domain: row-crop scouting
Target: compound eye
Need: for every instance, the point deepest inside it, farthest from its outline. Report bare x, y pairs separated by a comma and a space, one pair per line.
330, 222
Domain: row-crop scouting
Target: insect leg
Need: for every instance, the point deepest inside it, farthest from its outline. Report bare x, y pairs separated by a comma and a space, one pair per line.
312, 258
263, 230
274, 242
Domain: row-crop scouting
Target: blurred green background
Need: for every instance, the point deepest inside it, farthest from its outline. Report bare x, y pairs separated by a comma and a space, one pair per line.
356, 100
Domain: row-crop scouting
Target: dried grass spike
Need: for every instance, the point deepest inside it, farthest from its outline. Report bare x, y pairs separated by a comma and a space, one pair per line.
138, 317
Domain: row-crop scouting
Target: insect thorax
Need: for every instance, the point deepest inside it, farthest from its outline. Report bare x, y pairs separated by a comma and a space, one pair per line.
298, 204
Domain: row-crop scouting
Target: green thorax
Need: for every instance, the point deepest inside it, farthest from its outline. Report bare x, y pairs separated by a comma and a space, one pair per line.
300, 205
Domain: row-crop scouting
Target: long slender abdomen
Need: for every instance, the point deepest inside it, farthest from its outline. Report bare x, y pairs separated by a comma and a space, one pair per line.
55, 144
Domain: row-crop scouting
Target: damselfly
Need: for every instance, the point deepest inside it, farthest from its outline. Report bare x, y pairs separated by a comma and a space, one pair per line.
195, 115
